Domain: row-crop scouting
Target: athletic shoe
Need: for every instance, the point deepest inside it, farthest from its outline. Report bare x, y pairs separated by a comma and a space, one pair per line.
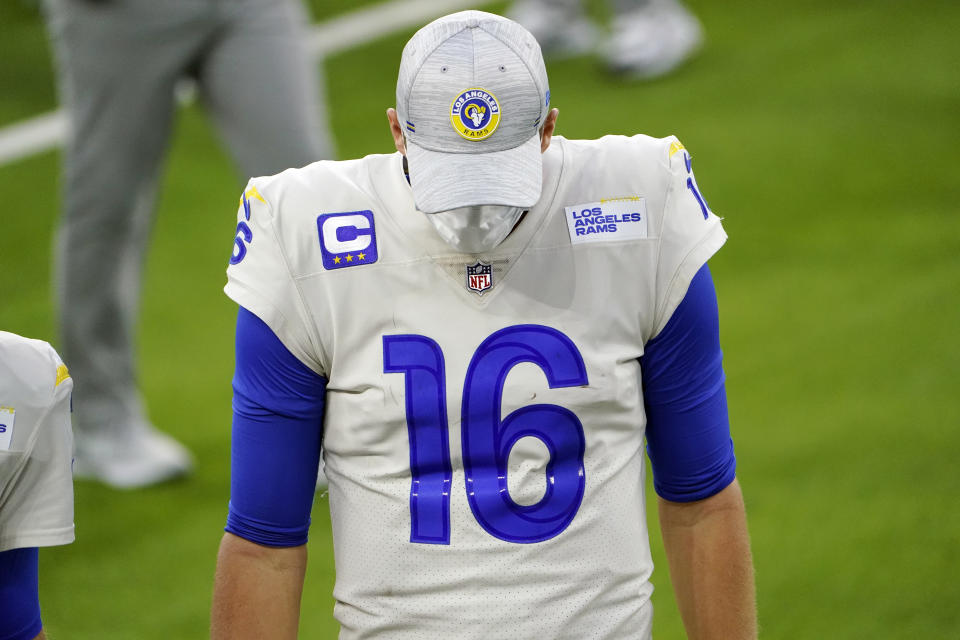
653, 40
139, 457
560, 28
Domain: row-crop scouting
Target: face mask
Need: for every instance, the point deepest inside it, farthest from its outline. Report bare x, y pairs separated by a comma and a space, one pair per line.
476, 229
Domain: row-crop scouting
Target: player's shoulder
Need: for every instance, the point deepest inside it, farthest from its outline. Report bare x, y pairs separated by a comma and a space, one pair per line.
282, 218
615, 147
646, 164
617, 165
30, 369
316, 184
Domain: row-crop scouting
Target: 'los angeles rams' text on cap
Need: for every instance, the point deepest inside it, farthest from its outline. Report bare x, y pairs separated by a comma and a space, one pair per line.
472, 94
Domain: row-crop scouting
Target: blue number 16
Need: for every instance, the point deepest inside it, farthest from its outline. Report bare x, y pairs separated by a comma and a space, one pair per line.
486, 439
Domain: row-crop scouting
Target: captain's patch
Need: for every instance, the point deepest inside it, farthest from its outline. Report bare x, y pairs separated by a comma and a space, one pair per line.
347, 239
609, 220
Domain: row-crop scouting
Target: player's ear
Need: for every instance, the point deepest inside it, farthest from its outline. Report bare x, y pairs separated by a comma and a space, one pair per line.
546, 132
396, 131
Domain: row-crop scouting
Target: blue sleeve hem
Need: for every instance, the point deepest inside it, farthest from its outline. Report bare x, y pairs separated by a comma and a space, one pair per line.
27, 633
267, 534
693, 493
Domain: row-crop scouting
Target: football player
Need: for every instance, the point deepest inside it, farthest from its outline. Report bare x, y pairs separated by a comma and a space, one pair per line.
36, 485
482, 328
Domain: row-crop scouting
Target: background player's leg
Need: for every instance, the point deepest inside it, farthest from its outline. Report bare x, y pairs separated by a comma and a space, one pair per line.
117, 66
264, 89
650, 38
560, 26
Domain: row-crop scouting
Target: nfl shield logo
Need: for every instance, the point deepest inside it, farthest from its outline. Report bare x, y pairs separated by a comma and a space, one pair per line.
479, 277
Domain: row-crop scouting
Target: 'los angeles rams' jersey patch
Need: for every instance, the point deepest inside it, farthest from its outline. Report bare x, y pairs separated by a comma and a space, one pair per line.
7, 415
347, 239
609, 220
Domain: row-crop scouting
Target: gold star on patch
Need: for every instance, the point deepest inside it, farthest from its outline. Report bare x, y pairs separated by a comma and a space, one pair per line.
361, 256
349, 258
336, 260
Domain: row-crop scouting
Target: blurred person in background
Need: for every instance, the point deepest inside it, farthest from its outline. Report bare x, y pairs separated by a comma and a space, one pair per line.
118, 65
648, 38
36, 486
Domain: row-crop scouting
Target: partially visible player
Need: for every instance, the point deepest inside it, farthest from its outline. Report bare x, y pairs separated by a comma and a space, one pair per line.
481, 329
647, 38
36, 485
118, 65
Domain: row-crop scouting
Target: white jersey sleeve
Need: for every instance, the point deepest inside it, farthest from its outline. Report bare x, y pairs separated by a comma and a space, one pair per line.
689, 236
36, 445
260, 279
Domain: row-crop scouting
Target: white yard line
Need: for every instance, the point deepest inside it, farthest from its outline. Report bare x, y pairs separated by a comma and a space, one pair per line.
49, 130
32, 136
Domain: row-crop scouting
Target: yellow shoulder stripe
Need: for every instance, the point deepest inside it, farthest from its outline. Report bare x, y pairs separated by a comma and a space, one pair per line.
251, 193
62, 374
675, 146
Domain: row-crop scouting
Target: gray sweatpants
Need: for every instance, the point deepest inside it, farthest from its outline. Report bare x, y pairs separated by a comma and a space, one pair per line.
118, 63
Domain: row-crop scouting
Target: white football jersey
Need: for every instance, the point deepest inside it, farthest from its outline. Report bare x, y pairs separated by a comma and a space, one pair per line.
36, 445
484, 422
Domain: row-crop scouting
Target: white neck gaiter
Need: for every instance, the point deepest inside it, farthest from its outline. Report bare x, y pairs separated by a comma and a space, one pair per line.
476, 229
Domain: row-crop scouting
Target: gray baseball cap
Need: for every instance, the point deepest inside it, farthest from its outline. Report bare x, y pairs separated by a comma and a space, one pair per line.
472, 94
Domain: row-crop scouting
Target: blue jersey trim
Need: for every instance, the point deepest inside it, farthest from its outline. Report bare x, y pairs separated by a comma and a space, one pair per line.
277, 431
19, 595
688, 428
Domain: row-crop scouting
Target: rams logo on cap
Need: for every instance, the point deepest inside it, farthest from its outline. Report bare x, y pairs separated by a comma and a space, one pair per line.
475, 114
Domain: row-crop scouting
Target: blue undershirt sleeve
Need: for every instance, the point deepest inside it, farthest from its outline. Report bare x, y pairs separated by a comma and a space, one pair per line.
277, 430
688, 429
19, 595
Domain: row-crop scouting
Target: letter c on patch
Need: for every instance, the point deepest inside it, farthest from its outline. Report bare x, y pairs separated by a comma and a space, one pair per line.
343, 234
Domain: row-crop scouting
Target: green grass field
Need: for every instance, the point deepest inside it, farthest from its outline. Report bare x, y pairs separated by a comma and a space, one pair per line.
827, 134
